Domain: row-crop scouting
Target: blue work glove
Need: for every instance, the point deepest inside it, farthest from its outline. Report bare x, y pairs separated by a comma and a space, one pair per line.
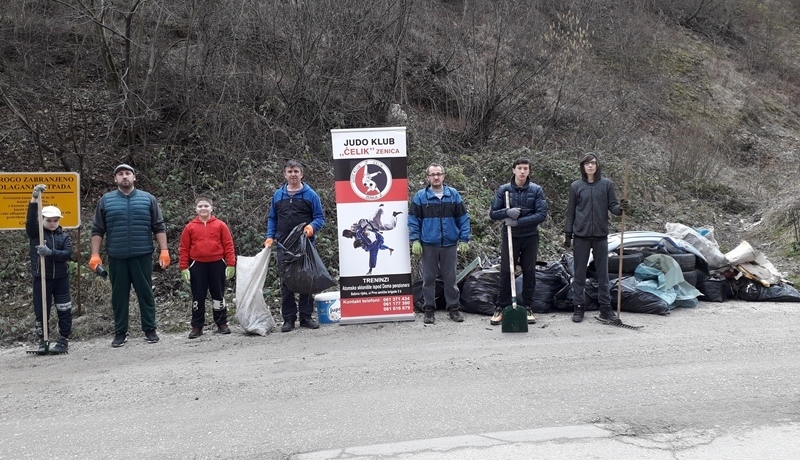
510, 222
416, 248
43, 250
513, 213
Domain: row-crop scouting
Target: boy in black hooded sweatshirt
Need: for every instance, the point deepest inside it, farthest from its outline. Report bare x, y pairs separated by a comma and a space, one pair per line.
57, 251
591, 198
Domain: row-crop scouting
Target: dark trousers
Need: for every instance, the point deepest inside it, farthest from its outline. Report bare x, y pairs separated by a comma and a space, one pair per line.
208, 277
136, 272
289, 305
439, 261
526, 250
57, 290
599, 250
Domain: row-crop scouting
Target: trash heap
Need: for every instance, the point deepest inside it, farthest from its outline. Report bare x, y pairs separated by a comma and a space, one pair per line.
660, 272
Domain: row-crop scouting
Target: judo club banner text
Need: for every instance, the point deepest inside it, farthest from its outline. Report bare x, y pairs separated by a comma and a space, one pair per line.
370, 170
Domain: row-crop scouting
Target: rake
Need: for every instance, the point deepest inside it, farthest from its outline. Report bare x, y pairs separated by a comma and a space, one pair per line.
43, 279
619, 322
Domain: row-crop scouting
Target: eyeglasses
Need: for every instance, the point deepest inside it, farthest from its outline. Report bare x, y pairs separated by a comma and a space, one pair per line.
436, 175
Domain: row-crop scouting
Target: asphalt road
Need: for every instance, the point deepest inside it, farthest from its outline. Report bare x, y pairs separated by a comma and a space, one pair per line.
714, 370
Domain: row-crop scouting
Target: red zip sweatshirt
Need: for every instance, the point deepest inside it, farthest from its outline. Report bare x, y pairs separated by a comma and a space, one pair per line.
206, 242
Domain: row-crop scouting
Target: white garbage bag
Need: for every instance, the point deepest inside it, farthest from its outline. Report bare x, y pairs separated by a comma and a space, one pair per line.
708, 247
251, 309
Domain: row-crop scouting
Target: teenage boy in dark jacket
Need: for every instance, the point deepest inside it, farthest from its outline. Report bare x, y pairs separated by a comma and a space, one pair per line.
526, 211
591, 198
57, 251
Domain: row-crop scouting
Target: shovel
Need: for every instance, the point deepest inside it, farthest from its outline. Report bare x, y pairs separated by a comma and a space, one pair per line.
515, 318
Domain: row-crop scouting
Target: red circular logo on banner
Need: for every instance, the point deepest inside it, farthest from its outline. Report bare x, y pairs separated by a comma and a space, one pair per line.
371, 179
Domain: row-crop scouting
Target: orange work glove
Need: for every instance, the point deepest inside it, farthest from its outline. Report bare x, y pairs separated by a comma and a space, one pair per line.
163, 259
309, 230
94, 262
268, 243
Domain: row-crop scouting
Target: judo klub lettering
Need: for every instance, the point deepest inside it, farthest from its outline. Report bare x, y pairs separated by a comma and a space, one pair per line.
371, 179
370, 172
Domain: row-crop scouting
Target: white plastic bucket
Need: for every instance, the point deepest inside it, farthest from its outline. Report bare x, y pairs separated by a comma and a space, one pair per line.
329, 310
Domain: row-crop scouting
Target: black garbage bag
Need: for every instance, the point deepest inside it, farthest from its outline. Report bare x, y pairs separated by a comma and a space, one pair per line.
633, 300
715, 288
550, 279
419, 302
300, 266
636, 301
750, 290
479, 292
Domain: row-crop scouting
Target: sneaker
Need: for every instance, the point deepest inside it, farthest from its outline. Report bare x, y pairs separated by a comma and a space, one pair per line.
429, 317
287, 326
196, 332
61, 346
531, 319
309, 323
223, 328
497, 318
151, 336
119, 339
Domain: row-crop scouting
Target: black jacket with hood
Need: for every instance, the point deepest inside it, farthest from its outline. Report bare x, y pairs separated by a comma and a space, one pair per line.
55, 265
590, 203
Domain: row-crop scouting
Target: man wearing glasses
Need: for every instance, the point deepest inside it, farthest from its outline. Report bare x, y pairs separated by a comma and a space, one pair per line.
438, 228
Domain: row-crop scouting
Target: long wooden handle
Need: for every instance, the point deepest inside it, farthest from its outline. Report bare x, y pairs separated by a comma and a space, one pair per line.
621, 241
511, 259
43, 277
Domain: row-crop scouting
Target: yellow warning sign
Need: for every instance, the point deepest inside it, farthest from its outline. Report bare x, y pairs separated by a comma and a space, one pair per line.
63, 191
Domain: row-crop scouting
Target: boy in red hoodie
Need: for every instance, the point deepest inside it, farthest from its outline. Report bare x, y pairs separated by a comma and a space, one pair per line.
206, 260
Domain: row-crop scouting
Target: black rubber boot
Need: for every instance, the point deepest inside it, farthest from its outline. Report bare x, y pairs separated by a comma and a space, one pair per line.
607, 314
43, 347
577, 316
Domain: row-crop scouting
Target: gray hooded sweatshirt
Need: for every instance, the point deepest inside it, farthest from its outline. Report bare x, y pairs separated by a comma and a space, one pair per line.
590, 203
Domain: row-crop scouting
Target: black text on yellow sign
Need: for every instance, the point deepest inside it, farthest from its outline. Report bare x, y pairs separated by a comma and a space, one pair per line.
63, 191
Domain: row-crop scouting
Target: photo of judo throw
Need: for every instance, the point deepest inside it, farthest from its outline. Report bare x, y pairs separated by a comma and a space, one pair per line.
367, 234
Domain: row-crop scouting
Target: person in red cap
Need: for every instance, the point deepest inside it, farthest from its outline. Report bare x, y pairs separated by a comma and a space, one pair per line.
207, 259
129, 218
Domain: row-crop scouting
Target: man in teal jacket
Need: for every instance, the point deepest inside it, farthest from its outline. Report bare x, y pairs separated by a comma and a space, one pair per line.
438, 226
129, 218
